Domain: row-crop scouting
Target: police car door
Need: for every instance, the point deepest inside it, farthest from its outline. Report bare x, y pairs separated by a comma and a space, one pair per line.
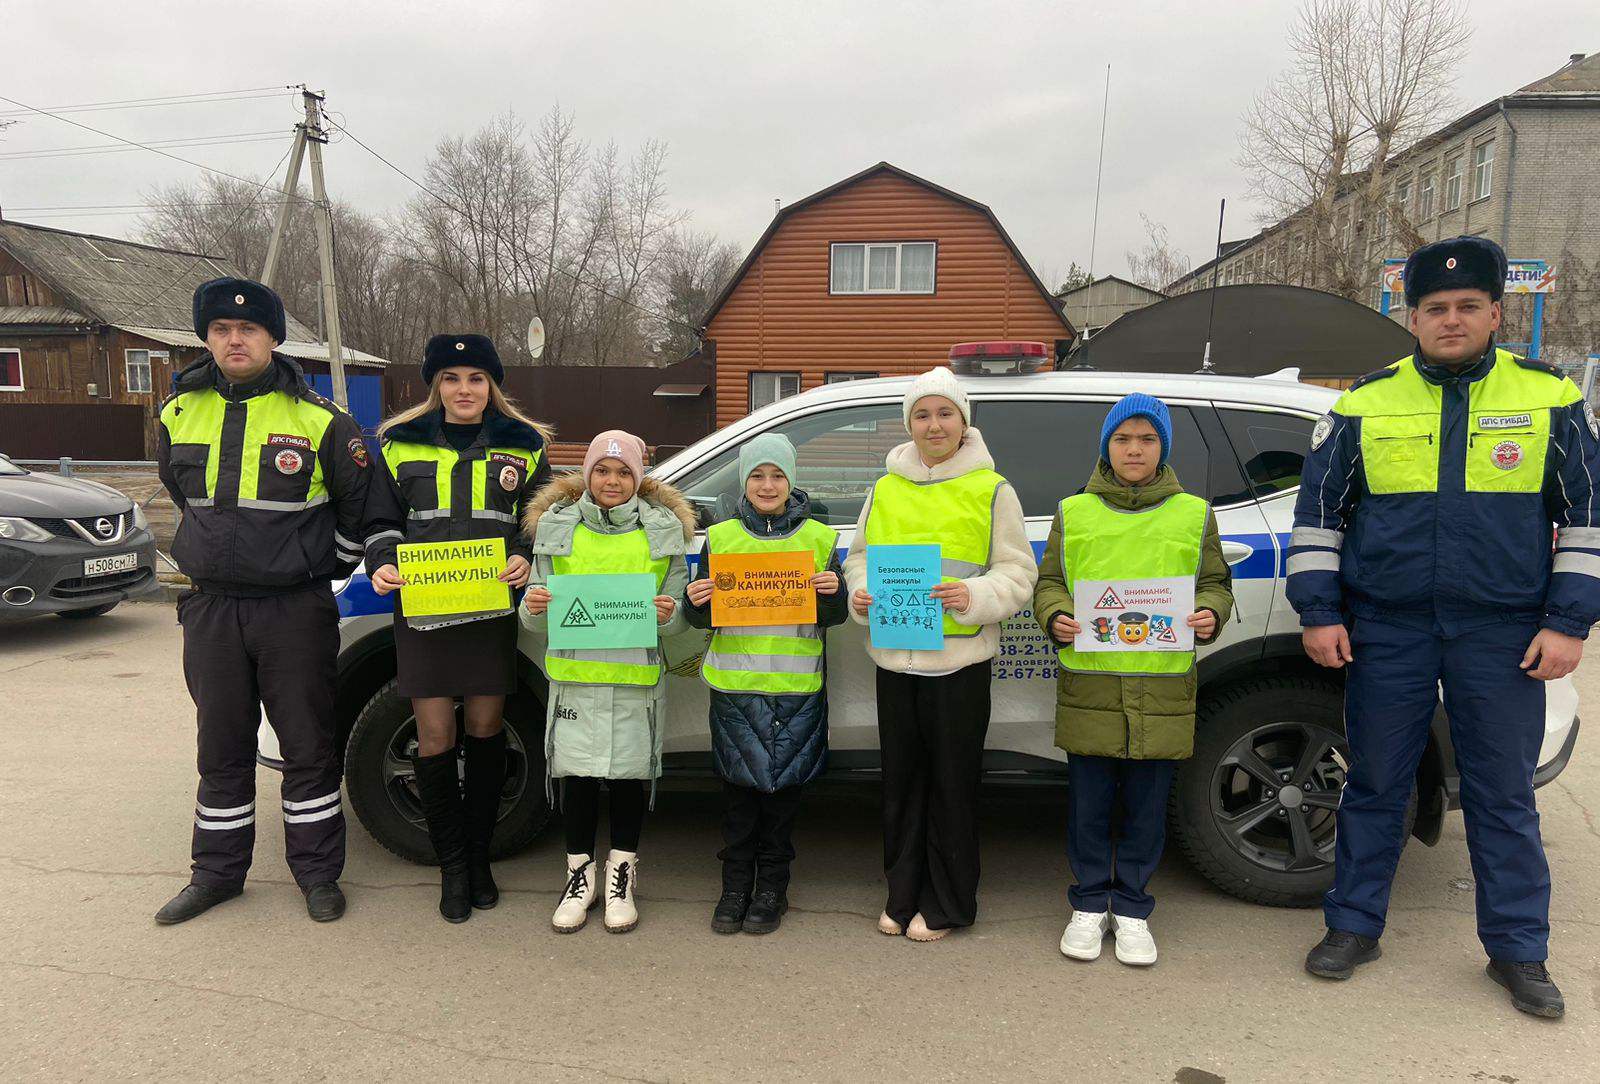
1046, 447
839, 454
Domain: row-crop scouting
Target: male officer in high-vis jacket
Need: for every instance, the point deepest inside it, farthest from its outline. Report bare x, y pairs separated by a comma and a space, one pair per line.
1447, 534
272, 482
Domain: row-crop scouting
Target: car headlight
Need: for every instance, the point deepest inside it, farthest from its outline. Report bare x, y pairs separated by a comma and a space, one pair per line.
140, 523
21, 530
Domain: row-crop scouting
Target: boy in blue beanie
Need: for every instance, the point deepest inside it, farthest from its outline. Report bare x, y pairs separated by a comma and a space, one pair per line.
1125, 716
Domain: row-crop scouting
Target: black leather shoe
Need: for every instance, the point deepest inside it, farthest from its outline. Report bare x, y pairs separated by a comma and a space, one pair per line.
1530, 987
766, 911
1339, 953
324, 901
730, 912
194, 900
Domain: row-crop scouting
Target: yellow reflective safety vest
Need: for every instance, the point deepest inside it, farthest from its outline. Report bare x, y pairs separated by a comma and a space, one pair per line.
770, 659
1508, 428
271, 477
594, 553
1099, 542
957, 514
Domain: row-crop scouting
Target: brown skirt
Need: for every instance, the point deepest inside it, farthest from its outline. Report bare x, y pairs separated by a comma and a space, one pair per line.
478, 658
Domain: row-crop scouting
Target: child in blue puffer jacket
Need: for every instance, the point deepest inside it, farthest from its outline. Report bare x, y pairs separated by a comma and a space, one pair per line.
769, 703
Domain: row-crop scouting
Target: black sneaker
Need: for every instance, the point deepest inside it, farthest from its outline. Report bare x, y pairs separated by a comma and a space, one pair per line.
1339, 953
1530, 987
193, 901
324, 901
766, 911
729, 915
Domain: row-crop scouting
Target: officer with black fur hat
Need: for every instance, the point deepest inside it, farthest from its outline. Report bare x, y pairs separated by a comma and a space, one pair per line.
1421, 560
272, 480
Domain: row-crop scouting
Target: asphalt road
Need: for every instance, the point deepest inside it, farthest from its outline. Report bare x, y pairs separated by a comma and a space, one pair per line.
96, 794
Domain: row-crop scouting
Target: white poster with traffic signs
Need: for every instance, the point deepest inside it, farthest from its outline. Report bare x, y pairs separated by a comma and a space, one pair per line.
1134, 615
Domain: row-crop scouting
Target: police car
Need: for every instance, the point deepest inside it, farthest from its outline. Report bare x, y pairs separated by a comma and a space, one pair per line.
1253, 810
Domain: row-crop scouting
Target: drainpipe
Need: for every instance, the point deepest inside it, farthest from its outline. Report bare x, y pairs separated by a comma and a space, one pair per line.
1511, 164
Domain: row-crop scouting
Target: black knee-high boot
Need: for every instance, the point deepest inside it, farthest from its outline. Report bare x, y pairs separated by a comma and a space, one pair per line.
486, 777
440, 791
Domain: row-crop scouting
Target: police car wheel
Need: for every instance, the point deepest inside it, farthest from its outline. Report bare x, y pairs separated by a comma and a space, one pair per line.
1254, 809
382, 785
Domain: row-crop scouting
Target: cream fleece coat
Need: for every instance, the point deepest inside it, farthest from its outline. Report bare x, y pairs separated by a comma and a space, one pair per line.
996, 595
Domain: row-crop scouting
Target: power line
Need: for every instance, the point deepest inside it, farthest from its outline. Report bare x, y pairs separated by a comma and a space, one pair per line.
117, 148
601, 290
146, 103
143, 146
246, 209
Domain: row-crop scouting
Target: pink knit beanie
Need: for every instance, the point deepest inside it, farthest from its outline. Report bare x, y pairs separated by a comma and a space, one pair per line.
615, 444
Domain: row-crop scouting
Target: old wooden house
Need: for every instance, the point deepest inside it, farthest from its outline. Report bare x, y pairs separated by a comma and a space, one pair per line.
91, 331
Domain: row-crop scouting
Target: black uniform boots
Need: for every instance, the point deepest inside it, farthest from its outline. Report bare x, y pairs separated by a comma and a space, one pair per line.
440, 791
486, 777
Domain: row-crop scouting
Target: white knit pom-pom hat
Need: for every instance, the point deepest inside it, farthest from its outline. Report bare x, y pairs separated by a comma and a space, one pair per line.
940, 381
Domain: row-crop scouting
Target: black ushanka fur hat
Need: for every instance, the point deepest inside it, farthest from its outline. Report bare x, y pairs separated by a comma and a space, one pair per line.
238, 299
443, 351
1459, 263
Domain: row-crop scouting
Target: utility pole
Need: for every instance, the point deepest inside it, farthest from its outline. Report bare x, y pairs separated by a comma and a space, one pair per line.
311, 133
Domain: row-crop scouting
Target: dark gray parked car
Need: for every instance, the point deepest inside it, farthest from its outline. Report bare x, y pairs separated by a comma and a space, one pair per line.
69, 546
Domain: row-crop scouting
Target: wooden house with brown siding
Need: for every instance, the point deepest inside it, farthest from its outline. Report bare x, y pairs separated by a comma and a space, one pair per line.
877, 275
91, 331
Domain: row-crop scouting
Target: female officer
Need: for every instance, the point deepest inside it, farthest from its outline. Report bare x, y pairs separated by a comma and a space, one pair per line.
461, 465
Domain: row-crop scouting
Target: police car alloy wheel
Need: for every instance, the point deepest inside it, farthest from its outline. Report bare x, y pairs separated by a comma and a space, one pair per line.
1254, 809
381, 782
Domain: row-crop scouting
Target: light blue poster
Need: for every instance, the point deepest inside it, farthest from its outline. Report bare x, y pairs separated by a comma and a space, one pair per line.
904, 614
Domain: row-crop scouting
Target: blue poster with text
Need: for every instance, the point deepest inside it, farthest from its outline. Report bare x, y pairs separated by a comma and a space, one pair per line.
904, 614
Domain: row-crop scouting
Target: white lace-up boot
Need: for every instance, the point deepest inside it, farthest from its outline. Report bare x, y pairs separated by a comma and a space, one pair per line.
578, 896
622, 875
1135, 946
1082, 937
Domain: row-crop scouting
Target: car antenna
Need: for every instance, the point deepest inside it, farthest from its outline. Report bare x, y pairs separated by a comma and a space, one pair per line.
1216, 268
1094, 228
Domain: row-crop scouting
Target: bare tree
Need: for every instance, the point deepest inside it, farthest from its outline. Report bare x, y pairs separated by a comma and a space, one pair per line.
1158, 263
695, 268
1365, 80
512, 224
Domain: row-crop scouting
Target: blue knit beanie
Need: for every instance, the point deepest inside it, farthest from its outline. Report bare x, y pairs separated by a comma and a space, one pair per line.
1138, 405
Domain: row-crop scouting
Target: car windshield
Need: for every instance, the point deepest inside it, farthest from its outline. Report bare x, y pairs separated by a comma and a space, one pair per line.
8, 467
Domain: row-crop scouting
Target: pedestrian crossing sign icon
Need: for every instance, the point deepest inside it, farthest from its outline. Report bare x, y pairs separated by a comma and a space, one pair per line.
1109, 601
577, 617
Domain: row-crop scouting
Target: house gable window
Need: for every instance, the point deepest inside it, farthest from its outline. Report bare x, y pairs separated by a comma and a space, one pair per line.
11, 370
890, 267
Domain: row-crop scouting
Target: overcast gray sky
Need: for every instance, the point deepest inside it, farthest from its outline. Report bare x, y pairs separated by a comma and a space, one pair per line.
999, 101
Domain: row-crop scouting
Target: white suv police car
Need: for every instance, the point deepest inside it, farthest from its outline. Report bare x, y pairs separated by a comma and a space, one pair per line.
1253, 810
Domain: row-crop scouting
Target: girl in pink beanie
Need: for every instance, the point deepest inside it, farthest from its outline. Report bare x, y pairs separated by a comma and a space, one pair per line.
604, 704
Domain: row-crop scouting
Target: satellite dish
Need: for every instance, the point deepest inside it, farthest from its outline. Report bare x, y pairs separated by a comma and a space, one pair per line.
536, 337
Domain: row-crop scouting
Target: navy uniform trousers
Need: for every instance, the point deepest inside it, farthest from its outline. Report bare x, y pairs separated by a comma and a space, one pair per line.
238, 655
1496, 725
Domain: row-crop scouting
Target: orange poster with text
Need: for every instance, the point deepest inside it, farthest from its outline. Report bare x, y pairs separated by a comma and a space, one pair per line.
763, 589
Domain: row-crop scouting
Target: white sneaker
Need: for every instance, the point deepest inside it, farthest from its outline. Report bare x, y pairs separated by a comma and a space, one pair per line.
579, 895
622, 876
1135, 946
1081, 940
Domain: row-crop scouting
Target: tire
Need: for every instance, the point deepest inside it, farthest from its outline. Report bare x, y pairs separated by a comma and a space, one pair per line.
83, 615
1254, 742
380, 781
